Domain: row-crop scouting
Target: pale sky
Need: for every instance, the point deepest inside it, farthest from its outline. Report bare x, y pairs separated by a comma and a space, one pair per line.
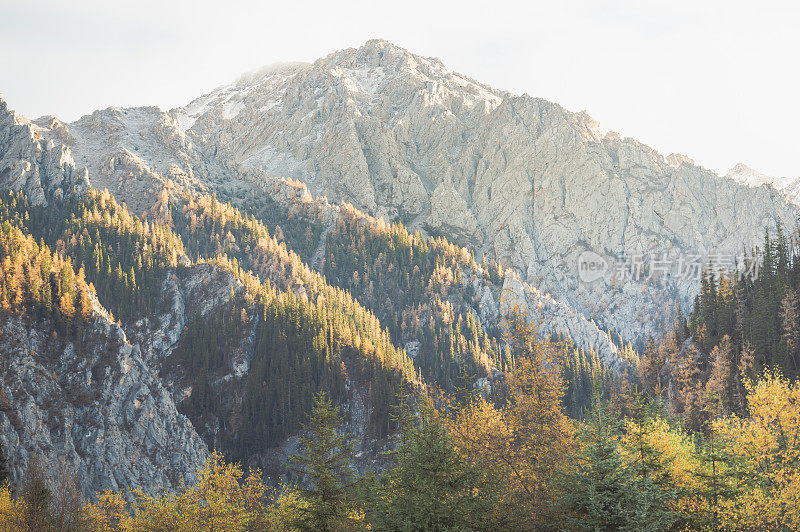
716, 80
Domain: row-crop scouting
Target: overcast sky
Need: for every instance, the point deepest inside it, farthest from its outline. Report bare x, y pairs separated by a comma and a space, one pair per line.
718, 81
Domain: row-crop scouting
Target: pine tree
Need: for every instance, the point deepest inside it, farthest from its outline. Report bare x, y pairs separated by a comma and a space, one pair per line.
745, 375
651, 364
790, 323
604, 493
690, 396
324, 463
721, 381
717, 480
432, 486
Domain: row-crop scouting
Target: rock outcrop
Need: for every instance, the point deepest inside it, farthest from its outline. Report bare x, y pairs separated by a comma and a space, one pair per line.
516, 178
95, 405
38, 167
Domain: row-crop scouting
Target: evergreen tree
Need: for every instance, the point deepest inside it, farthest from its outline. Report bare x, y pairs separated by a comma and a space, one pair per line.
324, 463
431, 485
605, 493
717, 480
790, 323
721, 381
650, 367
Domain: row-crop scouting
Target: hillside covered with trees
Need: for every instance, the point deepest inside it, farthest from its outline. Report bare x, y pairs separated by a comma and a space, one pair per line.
701, 434
472, 465
317, 339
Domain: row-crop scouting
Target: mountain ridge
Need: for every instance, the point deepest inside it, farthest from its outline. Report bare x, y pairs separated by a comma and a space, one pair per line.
517, 178
741, 173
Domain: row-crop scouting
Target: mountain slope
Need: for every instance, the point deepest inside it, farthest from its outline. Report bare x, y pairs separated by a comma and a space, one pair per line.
518, 178
142, 156
284, 336
73, 389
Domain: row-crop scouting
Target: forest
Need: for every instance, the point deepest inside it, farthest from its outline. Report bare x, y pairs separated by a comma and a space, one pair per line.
302, 343
701, 433
630, 464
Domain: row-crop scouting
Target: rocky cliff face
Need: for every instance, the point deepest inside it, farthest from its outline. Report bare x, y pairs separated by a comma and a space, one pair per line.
95, 405
135, 153
33, 165
519, 178
488, 301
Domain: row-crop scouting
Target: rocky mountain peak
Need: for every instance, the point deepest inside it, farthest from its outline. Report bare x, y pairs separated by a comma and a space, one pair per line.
746, 175
377, 53
790, 187
677, 159
517, 178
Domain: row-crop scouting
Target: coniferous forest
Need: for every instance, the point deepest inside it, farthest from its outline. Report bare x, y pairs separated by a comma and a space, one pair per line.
702, 432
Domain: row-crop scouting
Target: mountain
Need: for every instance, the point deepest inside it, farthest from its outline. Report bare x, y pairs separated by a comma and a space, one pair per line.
73, 387
137, 375
353, 225
135, 152
518, 179
741, 173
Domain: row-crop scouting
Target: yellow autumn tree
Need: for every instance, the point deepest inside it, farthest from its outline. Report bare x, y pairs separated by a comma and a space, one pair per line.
541, 433
12, 511
529, 440
656, 452
482, 435
768, 446
222, 500
107, 513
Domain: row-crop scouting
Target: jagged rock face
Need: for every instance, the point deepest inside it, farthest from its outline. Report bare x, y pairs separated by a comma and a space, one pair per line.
345, 125
132, 152
107, 406
95, 405
790, 187
38, 167
520, 178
